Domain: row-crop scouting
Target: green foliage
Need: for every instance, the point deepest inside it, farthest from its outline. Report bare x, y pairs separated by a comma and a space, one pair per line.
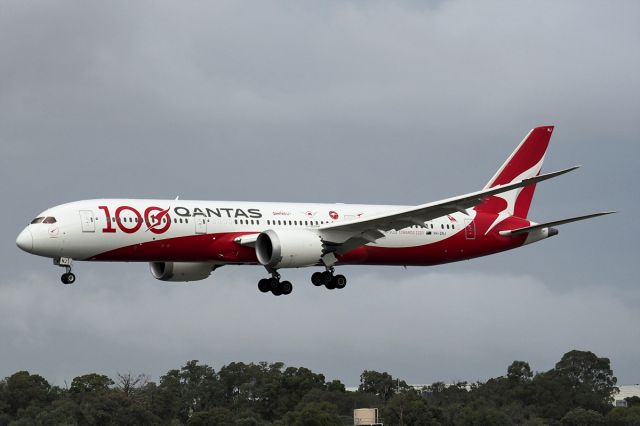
578, 391
411, 409
23, 389
590, 378
582, 417
312, 414
380, 384
621, 416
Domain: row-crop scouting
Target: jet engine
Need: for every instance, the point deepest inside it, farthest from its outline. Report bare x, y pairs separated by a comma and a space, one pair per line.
180, 271
287, 248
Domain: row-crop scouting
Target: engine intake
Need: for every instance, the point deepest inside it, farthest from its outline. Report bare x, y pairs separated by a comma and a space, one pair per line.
288, 248
180, 271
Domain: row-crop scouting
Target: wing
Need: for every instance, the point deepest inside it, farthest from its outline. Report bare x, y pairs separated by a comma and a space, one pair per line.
341, 238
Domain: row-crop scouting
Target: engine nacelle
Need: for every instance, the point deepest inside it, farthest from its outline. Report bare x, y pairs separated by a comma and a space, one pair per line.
180, 271
288, 248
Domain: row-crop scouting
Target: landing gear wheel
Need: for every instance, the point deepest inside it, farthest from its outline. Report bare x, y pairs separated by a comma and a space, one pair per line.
274, 283
263, 285
68, 278
331, 285
316, 278
339, 281
285, 287
326, 277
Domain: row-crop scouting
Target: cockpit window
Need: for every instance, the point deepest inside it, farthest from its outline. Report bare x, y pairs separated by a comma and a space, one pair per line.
37, 220
49, 219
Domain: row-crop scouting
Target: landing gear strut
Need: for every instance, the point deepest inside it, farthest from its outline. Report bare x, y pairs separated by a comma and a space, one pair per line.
274, 285
329, 280
68, 277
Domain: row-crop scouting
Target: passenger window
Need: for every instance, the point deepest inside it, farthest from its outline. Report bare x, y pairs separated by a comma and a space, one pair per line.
37, 220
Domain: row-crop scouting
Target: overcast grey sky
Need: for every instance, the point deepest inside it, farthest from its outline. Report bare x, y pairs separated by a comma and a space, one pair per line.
372, 102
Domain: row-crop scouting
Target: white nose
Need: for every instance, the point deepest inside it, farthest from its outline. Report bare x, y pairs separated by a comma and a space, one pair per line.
25, 240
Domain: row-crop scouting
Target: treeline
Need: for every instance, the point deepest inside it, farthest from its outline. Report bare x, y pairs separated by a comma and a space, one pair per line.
578, 391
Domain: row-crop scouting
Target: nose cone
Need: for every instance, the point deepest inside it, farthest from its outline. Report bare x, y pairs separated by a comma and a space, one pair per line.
25, 240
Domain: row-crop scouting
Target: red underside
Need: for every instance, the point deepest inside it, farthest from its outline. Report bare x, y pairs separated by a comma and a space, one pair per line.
222, 248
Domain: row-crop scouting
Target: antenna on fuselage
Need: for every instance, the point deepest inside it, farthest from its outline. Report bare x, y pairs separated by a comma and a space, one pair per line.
177, 198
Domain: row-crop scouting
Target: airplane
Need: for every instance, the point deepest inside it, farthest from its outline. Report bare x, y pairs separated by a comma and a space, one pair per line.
187, 240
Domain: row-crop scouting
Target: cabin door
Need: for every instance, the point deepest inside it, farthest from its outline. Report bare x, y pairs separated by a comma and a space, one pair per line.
87, 221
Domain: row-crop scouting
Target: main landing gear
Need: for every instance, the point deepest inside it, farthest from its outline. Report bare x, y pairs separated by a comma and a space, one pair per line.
274, 285
68, 277
329, 280
280, 288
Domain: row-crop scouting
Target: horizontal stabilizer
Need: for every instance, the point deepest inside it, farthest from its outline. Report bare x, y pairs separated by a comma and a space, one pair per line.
549, 224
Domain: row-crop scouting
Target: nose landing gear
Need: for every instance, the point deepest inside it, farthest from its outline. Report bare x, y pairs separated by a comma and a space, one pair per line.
68, 277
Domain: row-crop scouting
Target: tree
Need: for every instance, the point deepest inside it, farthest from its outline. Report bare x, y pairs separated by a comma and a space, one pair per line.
623, 416
591, 380
633, 401
381, 384
23, 389
193, 388
336, 386
129, 384
90, 383
519, 371
582, 417
312, 414
408, 408
218, 416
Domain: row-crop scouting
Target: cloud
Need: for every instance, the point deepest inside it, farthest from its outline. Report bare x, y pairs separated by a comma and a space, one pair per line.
371, 102
420, 326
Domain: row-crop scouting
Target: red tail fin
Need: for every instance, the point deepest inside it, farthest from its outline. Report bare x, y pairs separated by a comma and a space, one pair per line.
524, 162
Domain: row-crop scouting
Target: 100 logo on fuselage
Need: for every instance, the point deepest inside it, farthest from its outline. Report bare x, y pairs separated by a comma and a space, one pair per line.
158, 220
